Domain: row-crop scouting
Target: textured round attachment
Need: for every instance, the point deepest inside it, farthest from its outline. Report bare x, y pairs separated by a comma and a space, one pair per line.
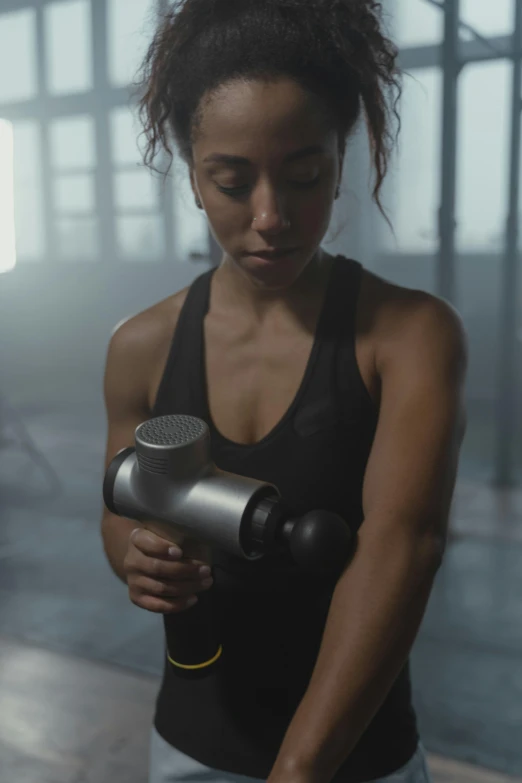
171, 431
321, 541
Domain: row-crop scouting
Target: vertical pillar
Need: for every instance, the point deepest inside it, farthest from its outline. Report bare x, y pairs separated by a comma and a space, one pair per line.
51, 241
507, 391
451, 69
104, 167
165, 188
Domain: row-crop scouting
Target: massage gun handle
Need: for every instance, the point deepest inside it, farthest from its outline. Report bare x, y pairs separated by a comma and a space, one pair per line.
192, 639
192, 548
191, 635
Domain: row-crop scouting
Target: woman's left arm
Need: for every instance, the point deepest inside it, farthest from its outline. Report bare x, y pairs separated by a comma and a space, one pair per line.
380, 599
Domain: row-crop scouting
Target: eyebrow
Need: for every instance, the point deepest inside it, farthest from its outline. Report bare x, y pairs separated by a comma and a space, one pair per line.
218, 157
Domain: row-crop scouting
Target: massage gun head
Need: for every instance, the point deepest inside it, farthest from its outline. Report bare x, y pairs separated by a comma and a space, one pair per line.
169, 477
173, 445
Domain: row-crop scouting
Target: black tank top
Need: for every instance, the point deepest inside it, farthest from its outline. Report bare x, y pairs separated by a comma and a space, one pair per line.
271, 617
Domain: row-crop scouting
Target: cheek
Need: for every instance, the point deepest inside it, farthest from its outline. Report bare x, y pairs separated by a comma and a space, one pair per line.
222, 224
314, 219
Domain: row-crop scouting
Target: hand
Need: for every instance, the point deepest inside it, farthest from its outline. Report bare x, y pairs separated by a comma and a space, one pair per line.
159, 581
303, 776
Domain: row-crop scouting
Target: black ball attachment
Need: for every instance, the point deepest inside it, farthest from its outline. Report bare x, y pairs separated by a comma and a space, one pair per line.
321, 541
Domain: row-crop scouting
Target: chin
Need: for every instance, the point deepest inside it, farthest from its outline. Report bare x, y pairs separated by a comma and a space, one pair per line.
274, 275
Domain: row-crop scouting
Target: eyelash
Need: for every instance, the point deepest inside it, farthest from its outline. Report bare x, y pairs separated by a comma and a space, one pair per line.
238, 191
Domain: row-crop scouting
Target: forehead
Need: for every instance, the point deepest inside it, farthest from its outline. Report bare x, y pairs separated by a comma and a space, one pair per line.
257, 113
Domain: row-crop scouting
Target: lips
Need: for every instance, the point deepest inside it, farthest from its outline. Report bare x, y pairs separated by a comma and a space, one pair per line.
270, 255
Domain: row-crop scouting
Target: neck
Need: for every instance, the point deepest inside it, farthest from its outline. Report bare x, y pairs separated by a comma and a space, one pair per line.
239, 290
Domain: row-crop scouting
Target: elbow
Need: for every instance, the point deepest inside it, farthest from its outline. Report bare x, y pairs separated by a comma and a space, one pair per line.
428, 550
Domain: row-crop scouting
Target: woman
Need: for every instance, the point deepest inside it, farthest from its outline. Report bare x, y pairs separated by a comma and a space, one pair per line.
339, 387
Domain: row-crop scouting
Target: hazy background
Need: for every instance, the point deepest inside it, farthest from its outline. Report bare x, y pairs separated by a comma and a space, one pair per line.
96, 238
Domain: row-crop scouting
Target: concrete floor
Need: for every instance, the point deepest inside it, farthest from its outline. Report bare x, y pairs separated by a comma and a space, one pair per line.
79, 721
79, 664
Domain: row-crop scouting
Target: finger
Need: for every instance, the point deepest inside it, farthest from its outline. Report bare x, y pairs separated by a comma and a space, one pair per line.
154, 546
161, 606
163, 570
167, 590
195, 561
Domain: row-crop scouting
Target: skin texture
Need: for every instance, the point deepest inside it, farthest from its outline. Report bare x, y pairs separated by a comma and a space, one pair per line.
412, 355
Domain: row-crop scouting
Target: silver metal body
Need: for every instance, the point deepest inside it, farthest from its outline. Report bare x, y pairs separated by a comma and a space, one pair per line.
171, 478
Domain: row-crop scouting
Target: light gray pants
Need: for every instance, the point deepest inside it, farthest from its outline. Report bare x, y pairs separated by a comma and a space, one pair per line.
168, 765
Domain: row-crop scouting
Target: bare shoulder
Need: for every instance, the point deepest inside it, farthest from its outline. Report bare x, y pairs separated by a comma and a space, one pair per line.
407, 321
146, 331
139, 345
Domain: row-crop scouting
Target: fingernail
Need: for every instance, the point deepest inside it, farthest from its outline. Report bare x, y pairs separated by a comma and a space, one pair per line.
174, 552
192, 601
204, 570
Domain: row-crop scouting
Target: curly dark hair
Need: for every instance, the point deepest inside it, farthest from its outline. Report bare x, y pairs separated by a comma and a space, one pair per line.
334, 49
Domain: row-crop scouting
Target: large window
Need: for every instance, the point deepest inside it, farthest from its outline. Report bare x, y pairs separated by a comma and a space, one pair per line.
139, 231
130, 24
482, 160
72, 162
80, 185
18, 45
420, 23
413, 184
68, 47
484, 101
415, 23
81, 189
487, 18
31, 234
483, 120
7, 227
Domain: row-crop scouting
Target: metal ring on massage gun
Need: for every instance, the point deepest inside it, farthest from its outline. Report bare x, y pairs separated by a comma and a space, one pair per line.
197, 665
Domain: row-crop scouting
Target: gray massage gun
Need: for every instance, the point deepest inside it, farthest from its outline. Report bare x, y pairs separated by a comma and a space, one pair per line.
169, 478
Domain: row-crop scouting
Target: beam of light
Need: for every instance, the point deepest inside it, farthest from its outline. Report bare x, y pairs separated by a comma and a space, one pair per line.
7, 218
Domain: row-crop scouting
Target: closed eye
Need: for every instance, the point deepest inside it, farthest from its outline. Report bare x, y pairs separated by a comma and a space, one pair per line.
243, 188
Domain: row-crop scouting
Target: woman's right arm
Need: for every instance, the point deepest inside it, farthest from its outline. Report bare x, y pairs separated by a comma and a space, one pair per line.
156, 579
127, 374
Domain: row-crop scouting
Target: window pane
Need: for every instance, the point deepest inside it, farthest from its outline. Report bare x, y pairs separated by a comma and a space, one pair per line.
488, 19
417, 23
413, 187
7, 227
135, 190
68, 46
74, 194
77, 238
29, 219
126, 142
130, 26
483, 149
189, 226
18, 45
72, 143
140, 238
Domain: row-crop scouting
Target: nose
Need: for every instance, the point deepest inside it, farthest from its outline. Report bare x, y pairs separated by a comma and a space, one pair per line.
269, 214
